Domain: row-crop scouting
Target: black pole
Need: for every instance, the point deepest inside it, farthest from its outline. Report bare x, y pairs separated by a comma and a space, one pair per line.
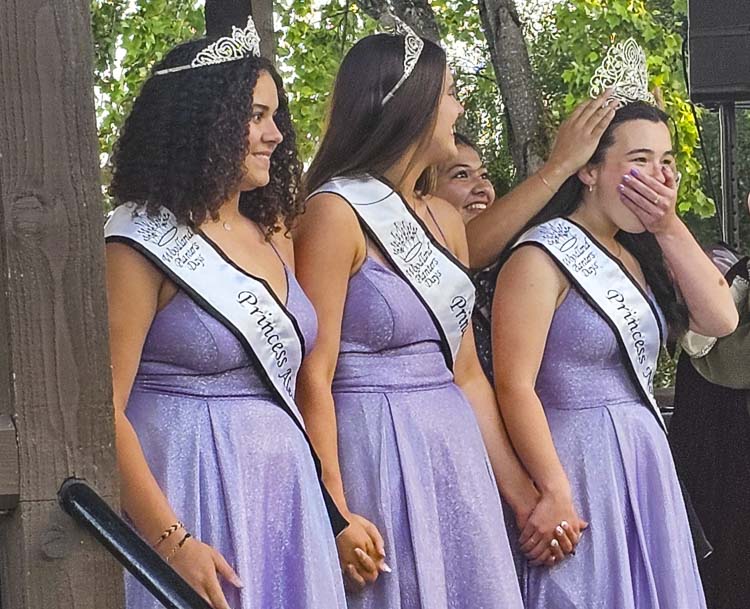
81, 502
730, 225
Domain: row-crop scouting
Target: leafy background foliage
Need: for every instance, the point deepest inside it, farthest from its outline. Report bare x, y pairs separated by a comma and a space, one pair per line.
566, 41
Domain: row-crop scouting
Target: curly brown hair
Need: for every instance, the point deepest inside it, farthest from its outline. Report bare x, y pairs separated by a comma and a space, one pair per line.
185, 142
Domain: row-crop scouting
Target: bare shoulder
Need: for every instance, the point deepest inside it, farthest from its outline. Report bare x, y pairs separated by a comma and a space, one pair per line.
447, 215
282, 241
128, 265
530, 267
327, 210
450, 222
330, 226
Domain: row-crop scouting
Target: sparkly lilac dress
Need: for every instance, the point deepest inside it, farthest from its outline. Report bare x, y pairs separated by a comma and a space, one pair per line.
233, 465
637, 552
412, 457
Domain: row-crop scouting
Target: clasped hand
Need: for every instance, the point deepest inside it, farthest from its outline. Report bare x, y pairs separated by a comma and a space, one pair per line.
361, 552
552, 531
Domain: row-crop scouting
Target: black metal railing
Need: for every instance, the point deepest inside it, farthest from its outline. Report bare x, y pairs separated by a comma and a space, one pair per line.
86, 507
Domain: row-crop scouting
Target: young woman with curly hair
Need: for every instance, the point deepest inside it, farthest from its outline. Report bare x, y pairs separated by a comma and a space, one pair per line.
207, 326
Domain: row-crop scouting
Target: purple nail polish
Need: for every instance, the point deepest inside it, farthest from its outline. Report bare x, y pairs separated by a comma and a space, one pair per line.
634, 172
621, 188
626, 178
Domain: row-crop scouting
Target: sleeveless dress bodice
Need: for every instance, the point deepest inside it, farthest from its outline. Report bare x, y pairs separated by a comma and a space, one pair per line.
637, 552
232, 463
209, 361
581, 348
412, 457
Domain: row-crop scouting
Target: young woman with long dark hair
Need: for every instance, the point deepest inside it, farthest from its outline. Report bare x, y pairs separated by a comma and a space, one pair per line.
581, 308
393, 394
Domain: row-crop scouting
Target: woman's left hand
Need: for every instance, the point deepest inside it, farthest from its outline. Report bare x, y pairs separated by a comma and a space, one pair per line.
652, 201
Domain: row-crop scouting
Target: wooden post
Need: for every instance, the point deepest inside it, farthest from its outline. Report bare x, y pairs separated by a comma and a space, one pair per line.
55, 381
221, 15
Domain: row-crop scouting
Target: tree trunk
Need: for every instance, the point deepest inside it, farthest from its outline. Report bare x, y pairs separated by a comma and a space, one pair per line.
527, 139
221, 15
416, 13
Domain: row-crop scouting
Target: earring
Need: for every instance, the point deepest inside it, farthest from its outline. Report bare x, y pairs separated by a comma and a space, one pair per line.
591, 188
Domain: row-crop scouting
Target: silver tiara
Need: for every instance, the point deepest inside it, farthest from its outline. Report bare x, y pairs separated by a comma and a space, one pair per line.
413, 46
241, 44
624, 71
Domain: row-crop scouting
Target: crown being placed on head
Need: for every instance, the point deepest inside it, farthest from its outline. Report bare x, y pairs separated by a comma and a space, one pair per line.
413, 46
241, 44
624, 71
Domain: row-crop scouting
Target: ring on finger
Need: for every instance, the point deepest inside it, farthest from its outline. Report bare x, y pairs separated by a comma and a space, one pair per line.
657, 200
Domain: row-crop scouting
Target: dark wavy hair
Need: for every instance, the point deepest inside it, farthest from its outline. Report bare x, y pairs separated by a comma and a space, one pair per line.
185, 142
363, 136
464, 140
643, 246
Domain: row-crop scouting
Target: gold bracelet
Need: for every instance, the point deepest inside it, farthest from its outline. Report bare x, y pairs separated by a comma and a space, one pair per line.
168, 531
545, 182
181, 543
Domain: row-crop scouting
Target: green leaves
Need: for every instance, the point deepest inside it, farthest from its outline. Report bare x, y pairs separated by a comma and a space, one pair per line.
572, 47
310, 46
566, 42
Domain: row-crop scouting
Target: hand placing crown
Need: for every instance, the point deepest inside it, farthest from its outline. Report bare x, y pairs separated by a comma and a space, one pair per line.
624, 71
240, 44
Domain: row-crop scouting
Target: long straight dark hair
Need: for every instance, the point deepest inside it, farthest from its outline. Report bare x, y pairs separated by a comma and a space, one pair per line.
643, 246
362, 135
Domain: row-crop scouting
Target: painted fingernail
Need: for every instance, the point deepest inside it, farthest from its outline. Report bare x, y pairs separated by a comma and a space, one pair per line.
554, 543
626, 178
635, 172
564, 524
559, 531
621, 188
385, 568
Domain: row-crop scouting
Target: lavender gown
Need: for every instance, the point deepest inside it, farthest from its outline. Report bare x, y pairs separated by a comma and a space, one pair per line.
637, 552
233, 465
412, 457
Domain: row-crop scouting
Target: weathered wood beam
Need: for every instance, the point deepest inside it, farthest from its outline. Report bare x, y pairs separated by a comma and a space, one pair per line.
55, 380
221, 15
9, 471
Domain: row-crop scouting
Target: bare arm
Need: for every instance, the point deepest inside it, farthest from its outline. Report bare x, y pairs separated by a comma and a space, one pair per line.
705, 291
491, 232
324, 271
529, 288
329, 246
133, 287
512, 479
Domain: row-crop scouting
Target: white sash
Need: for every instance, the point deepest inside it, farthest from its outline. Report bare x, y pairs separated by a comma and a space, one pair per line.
246, 305
439, 280
243, 303
612, 292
